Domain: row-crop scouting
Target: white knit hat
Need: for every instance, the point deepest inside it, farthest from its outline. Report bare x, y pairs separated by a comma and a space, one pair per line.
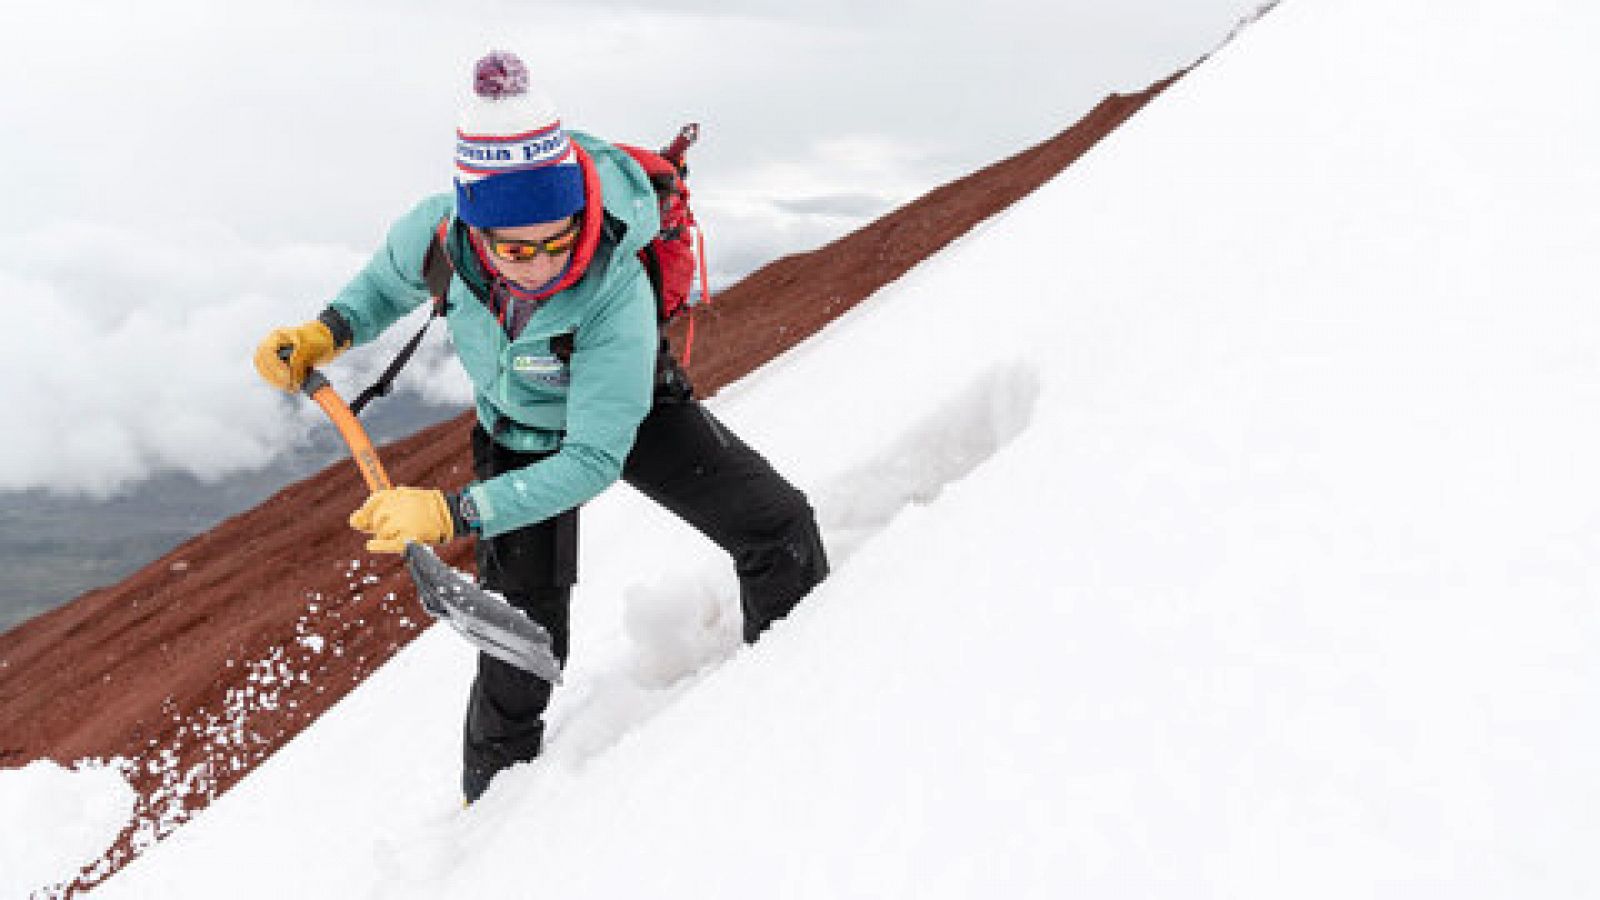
515, 164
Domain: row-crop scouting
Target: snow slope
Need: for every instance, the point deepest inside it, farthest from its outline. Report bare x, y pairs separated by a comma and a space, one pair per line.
1220, 521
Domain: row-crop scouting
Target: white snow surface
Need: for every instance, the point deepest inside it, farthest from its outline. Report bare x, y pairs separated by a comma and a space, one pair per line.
1222, 520
54, 821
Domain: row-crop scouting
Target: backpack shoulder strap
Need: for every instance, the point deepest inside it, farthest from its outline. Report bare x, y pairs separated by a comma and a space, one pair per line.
437, 271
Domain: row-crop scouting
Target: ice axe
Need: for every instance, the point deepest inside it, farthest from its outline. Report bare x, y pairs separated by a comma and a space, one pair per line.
485, 619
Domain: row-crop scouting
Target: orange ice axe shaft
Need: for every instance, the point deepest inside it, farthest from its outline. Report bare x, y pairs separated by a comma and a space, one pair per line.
355, 437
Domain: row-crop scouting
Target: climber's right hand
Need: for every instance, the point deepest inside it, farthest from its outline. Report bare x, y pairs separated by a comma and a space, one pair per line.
307, 345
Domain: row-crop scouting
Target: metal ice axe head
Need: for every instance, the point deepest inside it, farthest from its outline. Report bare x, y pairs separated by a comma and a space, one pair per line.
485, 619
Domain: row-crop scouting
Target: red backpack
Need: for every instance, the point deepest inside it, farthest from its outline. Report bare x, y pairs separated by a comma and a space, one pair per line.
676, 253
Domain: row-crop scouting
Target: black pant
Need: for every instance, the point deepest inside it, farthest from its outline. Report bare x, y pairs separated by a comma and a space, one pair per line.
691, 464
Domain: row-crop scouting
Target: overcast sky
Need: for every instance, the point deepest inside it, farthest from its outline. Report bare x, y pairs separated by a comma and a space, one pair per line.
179, 176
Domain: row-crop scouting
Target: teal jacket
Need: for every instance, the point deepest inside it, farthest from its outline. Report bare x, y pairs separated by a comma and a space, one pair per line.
586, 410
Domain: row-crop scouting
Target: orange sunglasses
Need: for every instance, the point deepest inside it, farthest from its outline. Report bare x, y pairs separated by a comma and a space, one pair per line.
518, 251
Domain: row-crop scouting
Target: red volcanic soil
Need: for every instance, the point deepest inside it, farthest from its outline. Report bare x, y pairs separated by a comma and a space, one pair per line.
199, 666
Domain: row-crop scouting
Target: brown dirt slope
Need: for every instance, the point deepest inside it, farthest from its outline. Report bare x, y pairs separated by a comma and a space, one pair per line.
203, 663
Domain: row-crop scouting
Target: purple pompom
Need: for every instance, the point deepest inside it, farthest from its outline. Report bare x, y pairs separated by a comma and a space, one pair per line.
500, 75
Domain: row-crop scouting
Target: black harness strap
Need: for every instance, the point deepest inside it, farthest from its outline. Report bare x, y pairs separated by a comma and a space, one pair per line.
437, 270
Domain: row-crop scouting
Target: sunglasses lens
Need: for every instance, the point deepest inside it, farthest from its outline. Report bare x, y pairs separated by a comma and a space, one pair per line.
516, 251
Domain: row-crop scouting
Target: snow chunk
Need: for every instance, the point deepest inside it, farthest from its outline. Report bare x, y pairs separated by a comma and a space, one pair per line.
57, 821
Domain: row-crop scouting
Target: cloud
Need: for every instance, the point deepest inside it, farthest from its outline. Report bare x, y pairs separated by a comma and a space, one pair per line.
822, 189
853, 207
129, 352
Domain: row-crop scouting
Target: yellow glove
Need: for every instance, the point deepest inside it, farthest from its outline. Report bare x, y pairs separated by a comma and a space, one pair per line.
397, 515
310, 345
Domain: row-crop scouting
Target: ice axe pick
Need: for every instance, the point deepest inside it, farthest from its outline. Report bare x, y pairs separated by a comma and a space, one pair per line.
485, 619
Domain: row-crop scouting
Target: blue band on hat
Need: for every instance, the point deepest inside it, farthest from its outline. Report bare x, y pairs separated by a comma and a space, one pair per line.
521, 198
